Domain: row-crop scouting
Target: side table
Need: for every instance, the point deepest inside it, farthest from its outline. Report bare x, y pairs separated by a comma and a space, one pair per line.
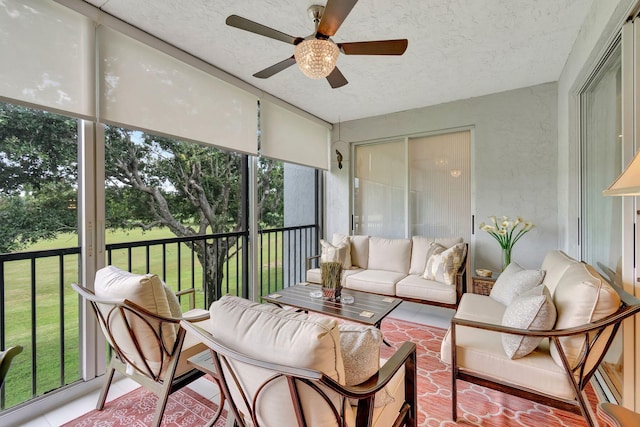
482, 285
203, 362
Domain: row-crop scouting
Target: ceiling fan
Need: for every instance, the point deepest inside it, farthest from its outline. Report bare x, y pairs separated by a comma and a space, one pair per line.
316, 55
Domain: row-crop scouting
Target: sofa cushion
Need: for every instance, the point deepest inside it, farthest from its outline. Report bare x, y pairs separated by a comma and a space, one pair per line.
420, 246
359, 249
376, 281
147, 291
339, 251
443, 266
581, 296
514, 281
314, 275
417, 287
389, 254
533, 310
360, 347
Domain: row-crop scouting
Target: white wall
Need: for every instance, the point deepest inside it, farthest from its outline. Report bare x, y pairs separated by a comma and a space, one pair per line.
514, 152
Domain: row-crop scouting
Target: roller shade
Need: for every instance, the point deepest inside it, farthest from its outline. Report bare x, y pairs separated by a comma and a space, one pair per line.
146, 89
292, 138
47, 57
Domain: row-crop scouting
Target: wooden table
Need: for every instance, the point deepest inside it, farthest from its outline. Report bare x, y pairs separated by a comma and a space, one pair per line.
366, 308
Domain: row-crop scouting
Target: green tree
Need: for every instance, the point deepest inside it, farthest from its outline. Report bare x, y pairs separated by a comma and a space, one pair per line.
152, 181
38, 176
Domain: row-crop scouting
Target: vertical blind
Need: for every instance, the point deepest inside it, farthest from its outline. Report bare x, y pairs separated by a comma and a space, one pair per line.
47, 57
290, 137
150, 90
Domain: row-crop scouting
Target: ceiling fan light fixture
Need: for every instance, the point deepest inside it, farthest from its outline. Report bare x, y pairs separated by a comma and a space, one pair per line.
316, 58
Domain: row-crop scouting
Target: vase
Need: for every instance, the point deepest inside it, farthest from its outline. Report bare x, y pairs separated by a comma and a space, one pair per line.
506, 257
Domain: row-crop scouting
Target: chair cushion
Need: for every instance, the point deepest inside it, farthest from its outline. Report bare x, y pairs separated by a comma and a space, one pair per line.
420, 246
443, 266
532, 310
360, 347
582, 296
147, 291
389, 254
272, 334
262, 331
554, 265
513, 281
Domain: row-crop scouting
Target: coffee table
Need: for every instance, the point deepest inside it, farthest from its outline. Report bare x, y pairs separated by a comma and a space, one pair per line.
366, 308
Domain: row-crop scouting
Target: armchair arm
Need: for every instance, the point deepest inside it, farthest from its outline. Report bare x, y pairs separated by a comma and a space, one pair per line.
622, 313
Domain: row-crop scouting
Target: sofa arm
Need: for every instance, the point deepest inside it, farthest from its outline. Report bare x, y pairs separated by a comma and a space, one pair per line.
309, 259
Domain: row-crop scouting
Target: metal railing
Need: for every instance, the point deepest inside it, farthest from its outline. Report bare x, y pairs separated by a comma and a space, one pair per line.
40, 311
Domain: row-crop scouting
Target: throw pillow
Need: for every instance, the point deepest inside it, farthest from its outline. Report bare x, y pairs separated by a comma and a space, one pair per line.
514, 281
360, 347
443, 265
340, 252
532, 310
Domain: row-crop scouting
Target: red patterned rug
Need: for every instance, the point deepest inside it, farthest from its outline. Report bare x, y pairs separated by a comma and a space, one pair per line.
185, 408
477, 406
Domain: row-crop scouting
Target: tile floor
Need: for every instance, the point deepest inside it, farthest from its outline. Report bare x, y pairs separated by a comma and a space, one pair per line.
413, 312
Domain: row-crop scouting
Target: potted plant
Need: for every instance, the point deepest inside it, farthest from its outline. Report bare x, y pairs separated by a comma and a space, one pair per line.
331, 277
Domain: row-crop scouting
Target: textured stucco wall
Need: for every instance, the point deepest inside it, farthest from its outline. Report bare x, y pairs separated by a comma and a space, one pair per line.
514, 163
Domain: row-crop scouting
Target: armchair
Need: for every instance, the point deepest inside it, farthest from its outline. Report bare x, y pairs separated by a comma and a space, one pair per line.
6, 356
279, 368
140, 318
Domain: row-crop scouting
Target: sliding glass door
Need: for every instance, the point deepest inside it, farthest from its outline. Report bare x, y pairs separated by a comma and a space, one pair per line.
414, 186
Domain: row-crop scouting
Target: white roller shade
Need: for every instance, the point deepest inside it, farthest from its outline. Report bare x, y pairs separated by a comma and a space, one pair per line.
292, 138
146, 89
47, 56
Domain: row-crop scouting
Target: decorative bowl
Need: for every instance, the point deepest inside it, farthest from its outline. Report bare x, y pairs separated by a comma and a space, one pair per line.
483, 273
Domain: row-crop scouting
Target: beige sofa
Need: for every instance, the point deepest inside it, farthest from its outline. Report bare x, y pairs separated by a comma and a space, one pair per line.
558, 332
396, 267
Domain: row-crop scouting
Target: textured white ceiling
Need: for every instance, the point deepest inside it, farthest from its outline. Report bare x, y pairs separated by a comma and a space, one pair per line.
457, 48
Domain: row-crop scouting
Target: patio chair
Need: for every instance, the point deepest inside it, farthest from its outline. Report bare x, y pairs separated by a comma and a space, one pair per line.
618, 416
6, 356
282, 368
140, 318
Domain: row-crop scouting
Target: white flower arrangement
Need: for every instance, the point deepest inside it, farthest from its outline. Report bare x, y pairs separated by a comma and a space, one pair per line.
507, 232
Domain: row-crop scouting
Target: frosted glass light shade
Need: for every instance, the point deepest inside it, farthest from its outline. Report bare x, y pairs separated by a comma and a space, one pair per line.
316, 58
628, 183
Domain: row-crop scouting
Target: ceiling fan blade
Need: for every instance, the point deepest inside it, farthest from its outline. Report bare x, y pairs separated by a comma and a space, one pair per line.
263, 30
275, 68
336, 79
335, 12
380, 47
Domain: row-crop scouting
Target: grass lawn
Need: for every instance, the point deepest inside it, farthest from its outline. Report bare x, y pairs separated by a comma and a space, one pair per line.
38, 297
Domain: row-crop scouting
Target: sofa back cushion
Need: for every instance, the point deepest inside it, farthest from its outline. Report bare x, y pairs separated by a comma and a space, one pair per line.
359, 249
581, 296
389, 254
149, 292
269, 333
554, 265
420, 247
